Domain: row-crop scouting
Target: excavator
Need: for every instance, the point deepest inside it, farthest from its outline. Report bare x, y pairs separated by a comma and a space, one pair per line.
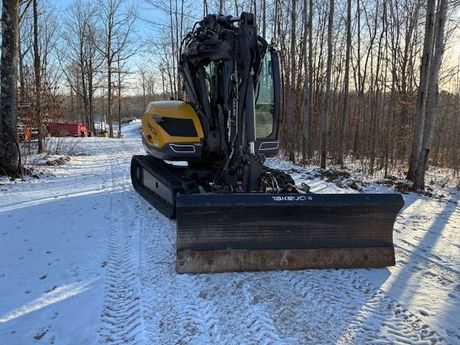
205, 167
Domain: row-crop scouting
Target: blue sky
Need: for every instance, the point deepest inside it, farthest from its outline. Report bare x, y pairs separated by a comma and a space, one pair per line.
142, 29
146, 31
145, 10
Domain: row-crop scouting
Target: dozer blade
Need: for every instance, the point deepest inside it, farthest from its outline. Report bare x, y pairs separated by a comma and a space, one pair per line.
257, 232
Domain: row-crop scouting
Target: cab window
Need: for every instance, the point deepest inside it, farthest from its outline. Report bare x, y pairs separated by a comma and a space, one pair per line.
265, 99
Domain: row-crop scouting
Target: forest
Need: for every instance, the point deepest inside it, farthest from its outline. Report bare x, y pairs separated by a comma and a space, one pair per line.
374, 84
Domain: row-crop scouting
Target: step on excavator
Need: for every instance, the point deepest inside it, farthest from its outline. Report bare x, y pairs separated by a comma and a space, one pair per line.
233, 213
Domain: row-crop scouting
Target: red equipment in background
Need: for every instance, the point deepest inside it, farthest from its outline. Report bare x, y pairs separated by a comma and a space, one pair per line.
67, 129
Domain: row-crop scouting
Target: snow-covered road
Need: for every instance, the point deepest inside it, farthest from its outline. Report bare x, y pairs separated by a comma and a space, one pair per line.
85, 260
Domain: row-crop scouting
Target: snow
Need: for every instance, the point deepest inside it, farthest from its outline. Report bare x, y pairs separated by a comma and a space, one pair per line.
85, 260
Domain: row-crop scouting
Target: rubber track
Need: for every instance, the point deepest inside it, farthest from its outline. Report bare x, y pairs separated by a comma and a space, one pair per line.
178, 182
171, 176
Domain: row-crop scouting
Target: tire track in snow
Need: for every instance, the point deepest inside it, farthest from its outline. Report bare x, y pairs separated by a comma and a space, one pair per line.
414, 226
268, 307
157, 275
241, 299
122, 321
297, 307
194, 309
176, 308
197, 314
382, 320
318, 312
439, 275
261, 324
431, 260
424, 260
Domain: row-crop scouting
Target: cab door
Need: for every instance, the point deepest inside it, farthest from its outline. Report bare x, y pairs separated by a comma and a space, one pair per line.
268, 104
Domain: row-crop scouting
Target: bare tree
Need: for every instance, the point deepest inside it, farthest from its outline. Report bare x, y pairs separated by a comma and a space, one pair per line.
82, 56
327, 94
117, 30
23, 46
354, 78
306, 119
291, 123
121, 72
310, 79
143, 85
433, 90
423, 89
37, 72
346, 85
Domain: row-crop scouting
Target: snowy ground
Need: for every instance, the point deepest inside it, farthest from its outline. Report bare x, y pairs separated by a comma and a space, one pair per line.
85, 260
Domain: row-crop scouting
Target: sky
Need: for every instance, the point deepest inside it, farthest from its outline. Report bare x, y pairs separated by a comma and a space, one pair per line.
142, 31
144, 9
145, 31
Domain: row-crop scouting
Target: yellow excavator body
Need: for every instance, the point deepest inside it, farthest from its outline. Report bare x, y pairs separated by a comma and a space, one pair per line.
171, 122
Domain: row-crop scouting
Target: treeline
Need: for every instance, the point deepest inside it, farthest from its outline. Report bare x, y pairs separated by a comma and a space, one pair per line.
372, 81
70, 59
353, 82
364, 81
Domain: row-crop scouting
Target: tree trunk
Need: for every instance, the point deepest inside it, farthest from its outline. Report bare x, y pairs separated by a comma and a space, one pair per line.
389, 134
109, 58
9, 153
72, 106
91, 96
325, 119
291, 123
109, 95
432, 101
21, 66
423, 88
84, 87
310, 80
375, 107
356, 140
37, 71
144, 91
306, 119
205, 8
119, 99
221, 6
264, 19
346, 82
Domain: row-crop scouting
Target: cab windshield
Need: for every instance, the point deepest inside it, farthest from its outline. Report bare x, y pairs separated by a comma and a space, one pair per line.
265, 99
